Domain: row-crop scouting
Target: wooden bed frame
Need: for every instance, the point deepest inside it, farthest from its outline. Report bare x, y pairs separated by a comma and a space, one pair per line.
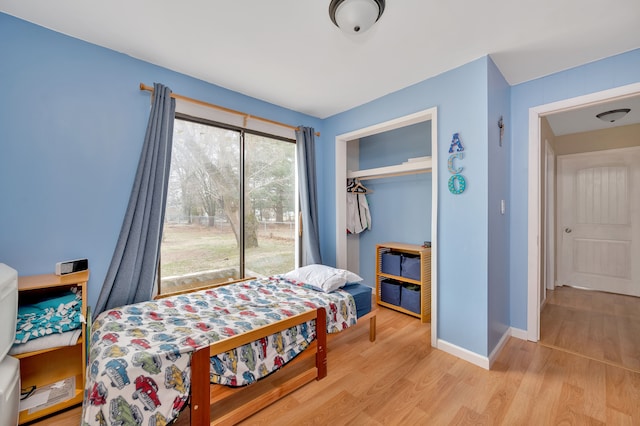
212, 404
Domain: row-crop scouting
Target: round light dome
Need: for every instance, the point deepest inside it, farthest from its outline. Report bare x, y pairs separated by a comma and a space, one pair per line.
355, 16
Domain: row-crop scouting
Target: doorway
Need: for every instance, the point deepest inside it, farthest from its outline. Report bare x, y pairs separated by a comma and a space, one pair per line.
596, 243
536, 225
341, 142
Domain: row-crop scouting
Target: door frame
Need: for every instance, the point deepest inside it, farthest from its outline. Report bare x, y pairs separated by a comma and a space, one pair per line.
341, 140
550, 219
534, 249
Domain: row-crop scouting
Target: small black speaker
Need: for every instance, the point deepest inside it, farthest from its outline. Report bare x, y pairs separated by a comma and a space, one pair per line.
71, 266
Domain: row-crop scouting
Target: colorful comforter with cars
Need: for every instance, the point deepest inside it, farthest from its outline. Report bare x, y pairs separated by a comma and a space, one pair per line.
139, 359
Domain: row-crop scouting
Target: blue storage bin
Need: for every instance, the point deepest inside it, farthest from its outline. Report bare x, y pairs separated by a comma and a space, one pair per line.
391, 263
410, 267
410, 298
390, 291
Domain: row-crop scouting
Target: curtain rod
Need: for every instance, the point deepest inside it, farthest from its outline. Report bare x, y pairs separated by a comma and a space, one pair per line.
221, 108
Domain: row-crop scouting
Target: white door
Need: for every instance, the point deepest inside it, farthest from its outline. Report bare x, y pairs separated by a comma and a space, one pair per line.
598, 223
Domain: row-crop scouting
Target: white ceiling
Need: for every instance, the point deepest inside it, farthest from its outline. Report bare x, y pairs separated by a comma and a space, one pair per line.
289, 53
584, 119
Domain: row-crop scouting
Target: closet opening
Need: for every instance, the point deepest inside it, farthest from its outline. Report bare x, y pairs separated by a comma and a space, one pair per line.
396, 162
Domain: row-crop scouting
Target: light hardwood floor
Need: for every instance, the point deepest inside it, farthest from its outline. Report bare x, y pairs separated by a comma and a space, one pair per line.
595, 324
401, 380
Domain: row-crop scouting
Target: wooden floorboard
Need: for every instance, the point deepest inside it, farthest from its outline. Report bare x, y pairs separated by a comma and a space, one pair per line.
401, 380
597, 325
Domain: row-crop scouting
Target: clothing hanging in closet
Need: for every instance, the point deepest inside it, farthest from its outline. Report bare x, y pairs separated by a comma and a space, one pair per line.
358, 215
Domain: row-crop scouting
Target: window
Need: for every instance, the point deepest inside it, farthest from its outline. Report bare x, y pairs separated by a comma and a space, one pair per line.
231, 207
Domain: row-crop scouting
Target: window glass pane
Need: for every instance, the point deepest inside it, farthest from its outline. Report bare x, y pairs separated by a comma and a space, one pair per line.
269, 206
200, 242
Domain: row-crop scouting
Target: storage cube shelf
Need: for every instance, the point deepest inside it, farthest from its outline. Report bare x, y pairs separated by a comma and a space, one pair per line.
404, 264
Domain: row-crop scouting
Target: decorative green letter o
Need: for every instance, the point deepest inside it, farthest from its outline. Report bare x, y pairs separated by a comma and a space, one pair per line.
461, 184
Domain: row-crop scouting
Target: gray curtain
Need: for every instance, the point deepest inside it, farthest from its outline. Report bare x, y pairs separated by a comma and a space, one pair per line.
306, 158
131, 277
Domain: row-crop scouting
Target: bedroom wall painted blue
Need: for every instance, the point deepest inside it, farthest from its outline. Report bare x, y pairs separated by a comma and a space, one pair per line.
400, 206
72, 116
72, 123
461, 97
601, 75
499, 170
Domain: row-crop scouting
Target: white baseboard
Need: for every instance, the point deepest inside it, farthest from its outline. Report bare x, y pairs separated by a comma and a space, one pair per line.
519, 333
465, 354
496, 351
479, 360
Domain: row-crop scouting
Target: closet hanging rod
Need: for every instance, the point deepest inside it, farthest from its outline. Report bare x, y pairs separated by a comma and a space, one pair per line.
221, 108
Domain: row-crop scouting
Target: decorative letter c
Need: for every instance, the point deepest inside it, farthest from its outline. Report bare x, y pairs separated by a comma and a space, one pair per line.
452, 157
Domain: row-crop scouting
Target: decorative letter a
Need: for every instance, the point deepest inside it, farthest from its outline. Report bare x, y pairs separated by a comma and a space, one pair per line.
456, 143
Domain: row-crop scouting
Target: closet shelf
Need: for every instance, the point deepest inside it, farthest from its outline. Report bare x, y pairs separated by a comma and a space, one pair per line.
406, 168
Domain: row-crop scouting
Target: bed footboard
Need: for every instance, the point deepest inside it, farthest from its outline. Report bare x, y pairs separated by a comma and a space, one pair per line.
202, 399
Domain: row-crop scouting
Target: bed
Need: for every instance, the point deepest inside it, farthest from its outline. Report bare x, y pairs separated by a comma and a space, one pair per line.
149, 361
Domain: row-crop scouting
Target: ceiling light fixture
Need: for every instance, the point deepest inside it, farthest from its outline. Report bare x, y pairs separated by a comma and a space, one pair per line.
355, 16
613, 115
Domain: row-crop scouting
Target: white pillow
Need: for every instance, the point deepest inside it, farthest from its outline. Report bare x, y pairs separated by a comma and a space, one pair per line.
322, 277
